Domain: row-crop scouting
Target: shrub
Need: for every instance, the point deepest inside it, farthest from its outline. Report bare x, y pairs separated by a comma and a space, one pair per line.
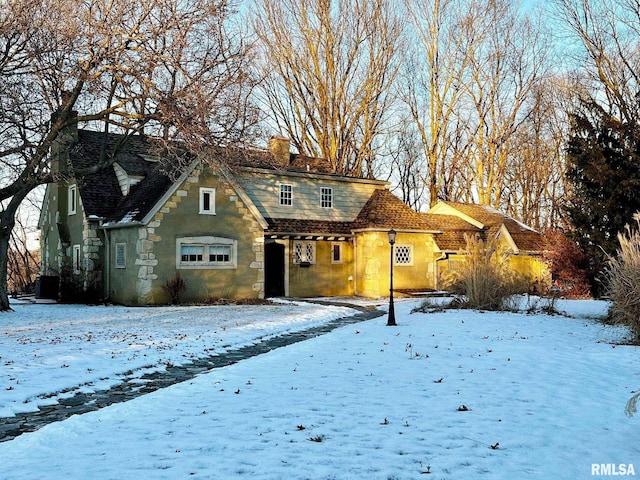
484, 281
80, 286
622, 275
175, 287
568, 264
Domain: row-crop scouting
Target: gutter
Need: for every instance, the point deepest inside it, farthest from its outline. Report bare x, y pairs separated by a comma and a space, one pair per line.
110, 225
107, 261
399, 230
443, 256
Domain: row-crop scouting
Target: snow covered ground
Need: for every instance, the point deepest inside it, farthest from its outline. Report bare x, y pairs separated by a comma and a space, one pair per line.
450, 395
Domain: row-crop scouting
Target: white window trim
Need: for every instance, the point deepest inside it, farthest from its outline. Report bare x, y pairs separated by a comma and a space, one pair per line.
330, 197
212, 201
116, 257
76, 259
305, 244
281, 198
339, 245
72, 199
395, 258
207, 241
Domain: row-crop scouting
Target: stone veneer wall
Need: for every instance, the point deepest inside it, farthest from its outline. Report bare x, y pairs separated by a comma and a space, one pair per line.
258, 241
147, 238
91, 245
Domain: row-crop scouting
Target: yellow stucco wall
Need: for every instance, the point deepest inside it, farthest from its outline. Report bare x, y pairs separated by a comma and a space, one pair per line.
322, 278
532, 268
373, 263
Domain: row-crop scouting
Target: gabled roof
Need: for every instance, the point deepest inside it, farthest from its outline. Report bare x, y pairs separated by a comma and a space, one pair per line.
384, 211
492, 222
452, 231
101, 193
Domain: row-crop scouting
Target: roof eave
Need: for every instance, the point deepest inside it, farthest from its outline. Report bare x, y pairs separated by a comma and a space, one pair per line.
398, 230
333, 176
307, 235
112, 225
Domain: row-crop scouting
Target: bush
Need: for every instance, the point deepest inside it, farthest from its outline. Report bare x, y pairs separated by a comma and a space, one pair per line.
80, 286
568, 264
484, 281
622, 276
175, 287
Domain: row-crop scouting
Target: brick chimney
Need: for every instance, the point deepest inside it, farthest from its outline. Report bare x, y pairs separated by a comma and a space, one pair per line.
280, 149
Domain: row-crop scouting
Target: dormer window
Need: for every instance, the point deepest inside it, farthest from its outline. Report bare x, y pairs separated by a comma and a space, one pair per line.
125, 180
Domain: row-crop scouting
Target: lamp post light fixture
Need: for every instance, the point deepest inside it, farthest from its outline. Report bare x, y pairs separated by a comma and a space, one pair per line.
391, 320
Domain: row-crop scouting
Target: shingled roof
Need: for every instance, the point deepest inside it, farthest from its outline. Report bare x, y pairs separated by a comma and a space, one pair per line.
524, 237
287, 226
385, 211
100, 192
452, 231
102, 196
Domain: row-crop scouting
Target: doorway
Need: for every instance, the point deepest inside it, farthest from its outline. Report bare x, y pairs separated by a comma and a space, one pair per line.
274, 271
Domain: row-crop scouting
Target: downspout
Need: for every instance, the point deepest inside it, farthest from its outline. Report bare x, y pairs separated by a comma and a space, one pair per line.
107, 260
444, 256
355, 265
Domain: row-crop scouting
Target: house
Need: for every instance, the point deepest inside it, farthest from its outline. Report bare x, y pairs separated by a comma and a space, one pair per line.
524, 246
258, 224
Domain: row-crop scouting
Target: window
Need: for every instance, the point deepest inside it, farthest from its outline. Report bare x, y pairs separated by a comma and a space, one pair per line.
207, 201
304, 252
336, 253
403, 255
206, 252
121, 255
76, 258
220, 253
326, 197
73, 193
191, 253
286, 194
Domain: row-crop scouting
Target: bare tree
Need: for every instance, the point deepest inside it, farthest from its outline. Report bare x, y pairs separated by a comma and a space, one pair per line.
169, 67
607, 51
23, 260
328, 66
507, 66
406, 166
436, 79
534, 184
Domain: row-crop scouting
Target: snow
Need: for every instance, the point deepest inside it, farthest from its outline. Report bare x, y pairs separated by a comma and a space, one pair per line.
366, 401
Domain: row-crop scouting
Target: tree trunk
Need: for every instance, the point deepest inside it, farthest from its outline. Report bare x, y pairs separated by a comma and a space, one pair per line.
7, 222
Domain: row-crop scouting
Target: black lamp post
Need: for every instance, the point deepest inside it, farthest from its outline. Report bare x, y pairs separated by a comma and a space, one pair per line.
391, 321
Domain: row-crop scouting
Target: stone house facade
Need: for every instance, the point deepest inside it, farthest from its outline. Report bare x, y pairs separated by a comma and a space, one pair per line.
251, 225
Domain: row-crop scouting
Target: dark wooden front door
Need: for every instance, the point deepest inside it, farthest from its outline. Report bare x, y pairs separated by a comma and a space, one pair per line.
274, 270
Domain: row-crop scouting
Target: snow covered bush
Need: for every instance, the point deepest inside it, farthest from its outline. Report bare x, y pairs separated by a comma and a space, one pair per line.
484, 280
623, 280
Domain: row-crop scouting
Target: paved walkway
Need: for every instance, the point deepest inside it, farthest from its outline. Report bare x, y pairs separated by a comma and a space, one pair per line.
130, 388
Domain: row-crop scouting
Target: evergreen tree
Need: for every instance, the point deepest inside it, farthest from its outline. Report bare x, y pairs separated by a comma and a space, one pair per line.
604, 171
